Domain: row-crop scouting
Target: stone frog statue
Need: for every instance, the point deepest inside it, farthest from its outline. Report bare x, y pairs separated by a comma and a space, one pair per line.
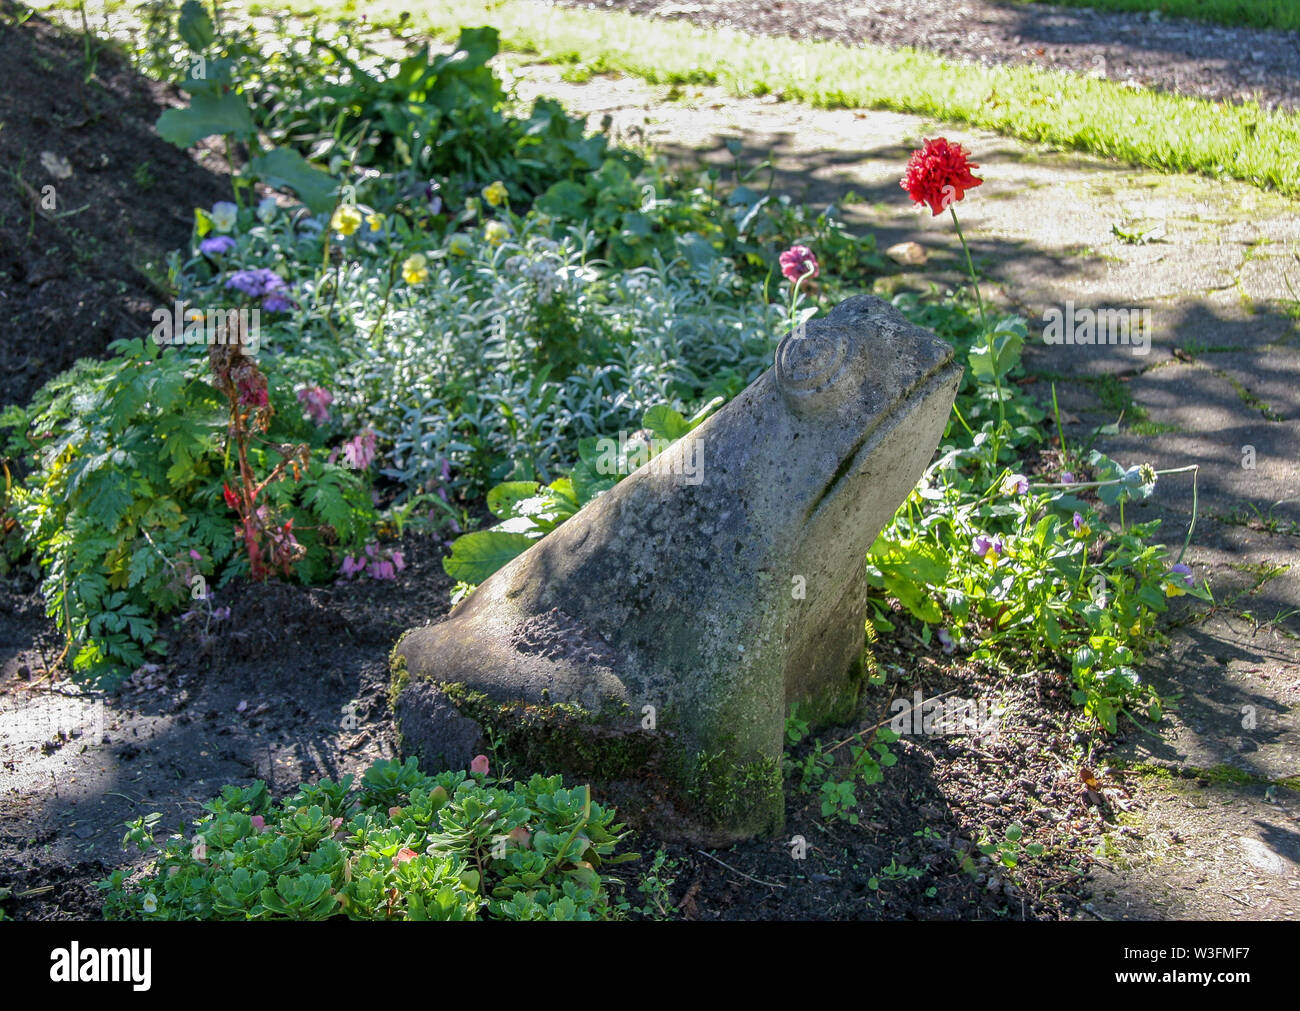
673, 622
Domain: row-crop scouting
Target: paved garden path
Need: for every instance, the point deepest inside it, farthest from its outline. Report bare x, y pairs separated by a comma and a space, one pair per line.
1212, 831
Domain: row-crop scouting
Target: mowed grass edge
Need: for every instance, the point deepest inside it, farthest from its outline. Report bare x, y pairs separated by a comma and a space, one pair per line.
1280, 15
1144, 128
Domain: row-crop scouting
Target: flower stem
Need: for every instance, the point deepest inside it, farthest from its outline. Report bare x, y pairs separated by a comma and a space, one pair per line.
970, 268
984, 332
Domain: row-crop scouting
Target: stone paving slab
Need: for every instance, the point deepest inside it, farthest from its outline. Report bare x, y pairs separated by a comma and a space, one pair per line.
1233, 701
1192, 851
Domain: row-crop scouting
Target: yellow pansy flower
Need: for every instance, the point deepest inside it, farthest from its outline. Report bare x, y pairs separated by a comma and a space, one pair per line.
375, 221
415, 269
346, 219
496, 194
458, 245
495, 232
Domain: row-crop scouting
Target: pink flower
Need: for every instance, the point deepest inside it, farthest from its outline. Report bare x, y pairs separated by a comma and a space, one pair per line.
403, 855
316, 401
259, 822
479, 766
798, 262
375, 562
359, 451
195, 555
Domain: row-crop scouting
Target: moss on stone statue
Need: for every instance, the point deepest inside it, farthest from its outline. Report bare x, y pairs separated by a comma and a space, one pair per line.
744, 798
398, 674
560, 737
836, 703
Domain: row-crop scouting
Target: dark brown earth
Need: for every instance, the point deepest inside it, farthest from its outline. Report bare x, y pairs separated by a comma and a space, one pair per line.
292, 687
1184, 57
78, 276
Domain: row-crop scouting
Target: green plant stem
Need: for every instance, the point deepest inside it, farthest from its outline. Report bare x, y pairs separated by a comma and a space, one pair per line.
1195, 468
984, 332
1115, 480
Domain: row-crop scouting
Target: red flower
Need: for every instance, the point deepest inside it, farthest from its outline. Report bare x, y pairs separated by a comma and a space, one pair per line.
232, 499
252, 390
939, 174
798, 261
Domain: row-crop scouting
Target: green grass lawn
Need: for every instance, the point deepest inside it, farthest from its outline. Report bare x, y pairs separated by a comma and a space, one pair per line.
1284, 14
1143, 128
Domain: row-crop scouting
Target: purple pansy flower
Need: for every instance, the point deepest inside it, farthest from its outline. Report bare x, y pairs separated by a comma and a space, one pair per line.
217, 245
256, 281
275, 302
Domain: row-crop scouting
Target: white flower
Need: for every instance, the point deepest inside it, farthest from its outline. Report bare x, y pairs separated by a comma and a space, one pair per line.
150, 903
266, 209
223, 215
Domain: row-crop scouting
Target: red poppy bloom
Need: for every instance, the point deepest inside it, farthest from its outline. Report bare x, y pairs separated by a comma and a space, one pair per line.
939, 174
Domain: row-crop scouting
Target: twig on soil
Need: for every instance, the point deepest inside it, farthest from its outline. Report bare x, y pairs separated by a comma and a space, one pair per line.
888, 719
769, 884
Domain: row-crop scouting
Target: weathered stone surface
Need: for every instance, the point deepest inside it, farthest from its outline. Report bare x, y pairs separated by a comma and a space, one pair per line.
723, 602
434, 730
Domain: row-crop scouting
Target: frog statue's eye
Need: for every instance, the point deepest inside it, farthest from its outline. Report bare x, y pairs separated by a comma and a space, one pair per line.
814, 366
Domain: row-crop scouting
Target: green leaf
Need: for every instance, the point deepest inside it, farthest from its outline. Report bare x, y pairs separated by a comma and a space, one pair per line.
478, 45
207, 114
285, 168
1052, 631
504, 498
996, 356
195, 27
588, 483
565, 200
665, 422
699, 252
476, 556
